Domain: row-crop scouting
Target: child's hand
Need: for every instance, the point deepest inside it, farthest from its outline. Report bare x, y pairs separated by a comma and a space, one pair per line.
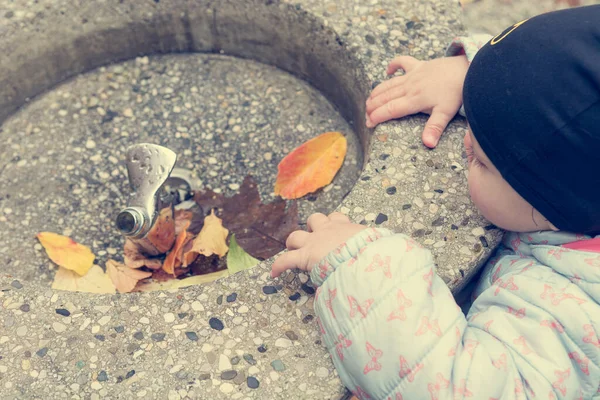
325, 233
432, 87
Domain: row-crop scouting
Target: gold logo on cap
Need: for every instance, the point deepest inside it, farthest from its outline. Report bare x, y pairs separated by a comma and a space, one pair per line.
503, 35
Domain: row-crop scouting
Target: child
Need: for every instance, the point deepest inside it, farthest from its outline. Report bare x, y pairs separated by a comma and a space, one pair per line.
394, 331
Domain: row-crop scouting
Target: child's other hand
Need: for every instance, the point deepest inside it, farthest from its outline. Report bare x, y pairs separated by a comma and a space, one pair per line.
432, 87
325, 233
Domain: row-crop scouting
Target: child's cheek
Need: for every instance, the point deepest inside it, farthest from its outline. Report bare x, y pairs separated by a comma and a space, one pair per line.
475, 190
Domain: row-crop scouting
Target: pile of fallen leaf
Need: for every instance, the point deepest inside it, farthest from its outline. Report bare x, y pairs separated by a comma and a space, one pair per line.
210, 237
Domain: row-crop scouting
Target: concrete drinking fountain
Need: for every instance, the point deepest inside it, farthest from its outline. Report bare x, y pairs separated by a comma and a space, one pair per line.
62, 168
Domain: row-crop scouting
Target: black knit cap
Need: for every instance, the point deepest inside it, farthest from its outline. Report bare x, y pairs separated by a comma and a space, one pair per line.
532, 99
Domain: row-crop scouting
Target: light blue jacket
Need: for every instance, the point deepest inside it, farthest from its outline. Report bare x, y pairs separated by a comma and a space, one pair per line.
394, 330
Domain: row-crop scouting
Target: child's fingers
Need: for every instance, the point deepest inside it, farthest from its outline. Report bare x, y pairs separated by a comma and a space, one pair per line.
289, 260
296, 240
393, 93
402, 62
387, 85
434, 128
396, 108
315, 221
338, 217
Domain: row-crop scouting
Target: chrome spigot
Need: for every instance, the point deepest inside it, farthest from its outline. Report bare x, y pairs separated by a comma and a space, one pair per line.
148, 167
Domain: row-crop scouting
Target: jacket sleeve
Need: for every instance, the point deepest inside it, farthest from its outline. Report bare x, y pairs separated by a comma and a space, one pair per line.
468, 46
394, 330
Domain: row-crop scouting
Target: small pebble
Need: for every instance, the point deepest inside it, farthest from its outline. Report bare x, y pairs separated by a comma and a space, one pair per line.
226, 388
24, 307
203, 377
16, 284
192, 336
322, 372
220, 300
308, 289
269, 290
391, 190
100, 337
42, 352
228, 375
119, 329
249, 359
295, 296
291, 335
130, 374
158, 337
283, 342
308, 318
483, 241
252, 382
235, 360
102, 376
138, 335
63, 312
278, 365
232, 297
216, 324
381, 218
262, 348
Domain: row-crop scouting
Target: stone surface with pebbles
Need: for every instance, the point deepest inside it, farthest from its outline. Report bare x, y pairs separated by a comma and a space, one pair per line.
61, 169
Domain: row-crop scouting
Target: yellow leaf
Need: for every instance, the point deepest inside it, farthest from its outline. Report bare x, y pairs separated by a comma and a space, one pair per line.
210, 240
311, 165
67, 253
181, 283
95, 281
123, 277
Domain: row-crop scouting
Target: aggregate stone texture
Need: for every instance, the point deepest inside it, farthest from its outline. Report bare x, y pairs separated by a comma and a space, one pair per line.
225, 117
185, 344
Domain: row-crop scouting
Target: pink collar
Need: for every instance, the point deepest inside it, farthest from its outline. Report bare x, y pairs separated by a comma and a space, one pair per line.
592, 245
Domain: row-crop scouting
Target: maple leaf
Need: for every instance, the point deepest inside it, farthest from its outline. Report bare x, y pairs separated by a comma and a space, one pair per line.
123, 277
237, 259
310, 166
67, 253
260, 229
94, 281
150, 286
210, 240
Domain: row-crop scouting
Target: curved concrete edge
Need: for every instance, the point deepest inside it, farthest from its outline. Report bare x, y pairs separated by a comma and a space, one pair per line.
166, 338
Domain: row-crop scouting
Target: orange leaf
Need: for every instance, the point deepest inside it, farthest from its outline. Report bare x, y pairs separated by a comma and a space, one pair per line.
210, 240
311, 165
161, 237
123, 277
67, 253
175, 256
162, 234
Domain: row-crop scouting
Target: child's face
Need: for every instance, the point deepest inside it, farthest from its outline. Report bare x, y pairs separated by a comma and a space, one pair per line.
495, 198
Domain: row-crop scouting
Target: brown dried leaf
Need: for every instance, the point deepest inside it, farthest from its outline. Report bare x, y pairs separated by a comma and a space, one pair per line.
194, 215
124, 278
135, 259
260, 229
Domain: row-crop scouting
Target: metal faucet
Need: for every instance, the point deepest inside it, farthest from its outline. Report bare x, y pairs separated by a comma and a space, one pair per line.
148, 167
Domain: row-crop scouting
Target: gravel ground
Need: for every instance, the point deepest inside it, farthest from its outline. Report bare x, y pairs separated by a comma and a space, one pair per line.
493, 16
